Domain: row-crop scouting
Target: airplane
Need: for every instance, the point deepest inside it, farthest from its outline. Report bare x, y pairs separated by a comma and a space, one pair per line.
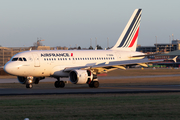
81, 66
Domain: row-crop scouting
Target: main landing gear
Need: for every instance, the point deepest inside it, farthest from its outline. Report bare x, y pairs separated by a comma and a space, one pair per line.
59, 84
94, 84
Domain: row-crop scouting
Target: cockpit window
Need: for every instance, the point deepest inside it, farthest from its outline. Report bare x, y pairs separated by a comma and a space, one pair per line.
19, 59
14, 59
24, 59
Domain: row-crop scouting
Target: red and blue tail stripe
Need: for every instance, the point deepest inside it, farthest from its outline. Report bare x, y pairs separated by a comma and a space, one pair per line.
131, 35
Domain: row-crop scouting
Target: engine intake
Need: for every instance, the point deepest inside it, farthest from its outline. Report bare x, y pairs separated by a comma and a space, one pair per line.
80, 76
22, 80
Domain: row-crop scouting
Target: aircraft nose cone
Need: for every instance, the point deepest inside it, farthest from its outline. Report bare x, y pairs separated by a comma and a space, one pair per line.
8, 69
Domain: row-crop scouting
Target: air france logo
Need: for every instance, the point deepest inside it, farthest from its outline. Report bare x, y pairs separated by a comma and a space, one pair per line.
55, 55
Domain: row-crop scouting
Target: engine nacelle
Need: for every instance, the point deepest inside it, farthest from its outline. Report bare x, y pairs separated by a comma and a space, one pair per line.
23, 80
80, 76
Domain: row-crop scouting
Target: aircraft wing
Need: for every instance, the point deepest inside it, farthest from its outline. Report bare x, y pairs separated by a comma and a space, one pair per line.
125, 63
108, 66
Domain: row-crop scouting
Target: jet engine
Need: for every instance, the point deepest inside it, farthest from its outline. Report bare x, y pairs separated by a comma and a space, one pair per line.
80, 76
23, 80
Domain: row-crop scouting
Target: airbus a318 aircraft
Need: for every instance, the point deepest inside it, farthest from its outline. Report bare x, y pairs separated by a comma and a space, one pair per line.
81, 66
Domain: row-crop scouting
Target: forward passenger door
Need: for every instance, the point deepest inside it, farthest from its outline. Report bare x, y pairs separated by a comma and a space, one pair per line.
36, 60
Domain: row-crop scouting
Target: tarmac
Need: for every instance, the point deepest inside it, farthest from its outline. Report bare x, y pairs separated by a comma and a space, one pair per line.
100, 90
108, 85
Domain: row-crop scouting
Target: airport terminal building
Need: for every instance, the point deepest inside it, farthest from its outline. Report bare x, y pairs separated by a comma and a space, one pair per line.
164, 47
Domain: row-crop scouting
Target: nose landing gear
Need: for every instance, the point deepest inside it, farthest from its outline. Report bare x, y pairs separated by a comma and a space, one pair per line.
29, 85
29, 82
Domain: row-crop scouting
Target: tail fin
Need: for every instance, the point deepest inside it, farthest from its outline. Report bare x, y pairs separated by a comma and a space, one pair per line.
128, 39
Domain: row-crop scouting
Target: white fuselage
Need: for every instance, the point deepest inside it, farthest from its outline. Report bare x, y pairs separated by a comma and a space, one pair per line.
81, 66
45, 63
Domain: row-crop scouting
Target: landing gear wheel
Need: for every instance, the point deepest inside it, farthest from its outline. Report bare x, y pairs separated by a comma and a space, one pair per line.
59, 84
94, 84
91, 85
62, 84
36, 81
29, 86
56, 84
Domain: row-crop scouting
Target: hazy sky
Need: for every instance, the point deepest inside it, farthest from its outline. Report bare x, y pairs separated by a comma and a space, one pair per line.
71, 22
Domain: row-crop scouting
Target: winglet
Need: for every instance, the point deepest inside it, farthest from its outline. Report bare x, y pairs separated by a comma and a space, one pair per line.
174, 59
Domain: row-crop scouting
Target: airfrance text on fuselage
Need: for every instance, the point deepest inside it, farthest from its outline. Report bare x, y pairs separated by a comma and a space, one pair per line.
54, 55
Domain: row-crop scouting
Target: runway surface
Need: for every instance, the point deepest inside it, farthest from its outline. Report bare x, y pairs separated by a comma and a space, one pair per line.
47, 87
86, 90
48, 79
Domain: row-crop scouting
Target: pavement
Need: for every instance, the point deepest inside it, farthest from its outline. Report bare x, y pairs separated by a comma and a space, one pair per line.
106, 86
13, 79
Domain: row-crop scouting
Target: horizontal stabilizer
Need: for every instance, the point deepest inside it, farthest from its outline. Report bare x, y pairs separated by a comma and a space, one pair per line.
146, 55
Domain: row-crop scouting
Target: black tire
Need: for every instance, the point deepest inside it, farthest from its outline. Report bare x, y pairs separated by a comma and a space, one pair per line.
37, 81
91, 85
96, 84
57, 84
62, 84
29, 86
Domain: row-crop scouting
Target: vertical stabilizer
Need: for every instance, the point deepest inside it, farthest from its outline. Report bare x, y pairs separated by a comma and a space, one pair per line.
128, 39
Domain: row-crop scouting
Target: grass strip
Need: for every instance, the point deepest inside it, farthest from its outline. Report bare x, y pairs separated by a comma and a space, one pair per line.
96, 106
